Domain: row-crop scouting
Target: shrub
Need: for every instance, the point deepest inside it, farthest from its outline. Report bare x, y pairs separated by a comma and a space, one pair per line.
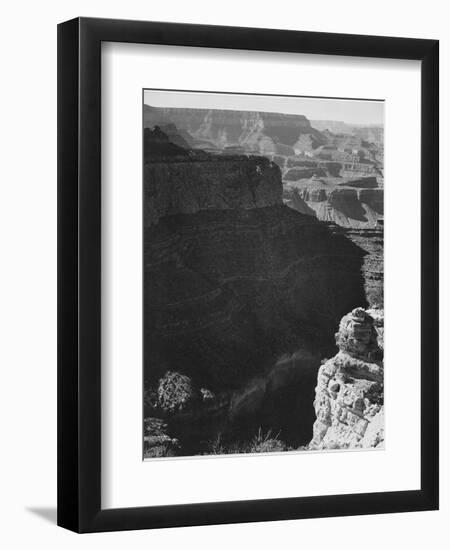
261, 443
176, 392
265, 443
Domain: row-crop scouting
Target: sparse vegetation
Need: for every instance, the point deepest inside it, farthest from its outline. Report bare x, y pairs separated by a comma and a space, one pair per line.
260, 443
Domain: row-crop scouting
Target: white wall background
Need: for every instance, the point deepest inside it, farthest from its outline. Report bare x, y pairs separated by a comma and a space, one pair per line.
28, 273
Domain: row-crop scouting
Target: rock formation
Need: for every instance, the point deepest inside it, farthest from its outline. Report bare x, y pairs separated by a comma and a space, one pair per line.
221, 183
349, 402
253, 131
354, 209
233, 279
371, 240
348, 204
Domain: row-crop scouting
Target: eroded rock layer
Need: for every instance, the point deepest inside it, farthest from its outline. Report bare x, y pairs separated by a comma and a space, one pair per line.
349, 205
233, 278
218, 183
252, 131
349, 400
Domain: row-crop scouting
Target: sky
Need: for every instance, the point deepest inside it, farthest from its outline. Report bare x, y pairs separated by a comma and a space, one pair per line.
351, 111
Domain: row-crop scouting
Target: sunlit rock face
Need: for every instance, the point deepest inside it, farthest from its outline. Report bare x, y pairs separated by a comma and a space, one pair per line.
346, 205
349, 402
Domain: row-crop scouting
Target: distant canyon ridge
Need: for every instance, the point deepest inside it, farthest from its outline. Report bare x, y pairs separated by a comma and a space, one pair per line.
334, 173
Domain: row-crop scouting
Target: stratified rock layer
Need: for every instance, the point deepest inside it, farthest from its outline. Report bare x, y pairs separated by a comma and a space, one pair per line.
233, 279
347, 205
349, 400
252, 131
215, 183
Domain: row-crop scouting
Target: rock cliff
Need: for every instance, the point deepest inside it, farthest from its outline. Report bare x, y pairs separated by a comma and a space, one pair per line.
179, 180
346, 205
371, 240
349, 401
220, 183
233, 279
257, 132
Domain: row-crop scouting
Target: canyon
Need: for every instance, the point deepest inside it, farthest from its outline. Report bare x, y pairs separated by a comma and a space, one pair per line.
249, 267
249, 131
234, 278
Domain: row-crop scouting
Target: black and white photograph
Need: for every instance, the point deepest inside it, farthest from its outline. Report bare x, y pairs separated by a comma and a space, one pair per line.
263, 308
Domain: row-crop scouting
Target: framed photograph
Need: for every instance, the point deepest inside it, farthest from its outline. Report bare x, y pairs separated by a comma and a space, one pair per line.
248, 275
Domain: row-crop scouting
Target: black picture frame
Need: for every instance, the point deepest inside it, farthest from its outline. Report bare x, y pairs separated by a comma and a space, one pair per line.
79, 274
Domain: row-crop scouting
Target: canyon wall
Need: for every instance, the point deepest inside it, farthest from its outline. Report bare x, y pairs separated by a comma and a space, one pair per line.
253, 131
345, 204
371, 240
220, 183
233, 279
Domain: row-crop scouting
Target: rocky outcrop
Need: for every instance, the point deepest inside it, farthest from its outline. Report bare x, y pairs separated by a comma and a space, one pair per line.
349, 401
178, 180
